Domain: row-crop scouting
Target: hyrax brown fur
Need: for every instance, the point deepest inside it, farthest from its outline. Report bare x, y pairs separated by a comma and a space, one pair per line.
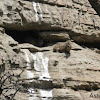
62, 47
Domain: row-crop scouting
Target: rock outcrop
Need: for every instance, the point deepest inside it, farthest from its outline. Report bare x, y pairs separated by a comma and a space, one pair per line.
76, 17
30, 30
8, 50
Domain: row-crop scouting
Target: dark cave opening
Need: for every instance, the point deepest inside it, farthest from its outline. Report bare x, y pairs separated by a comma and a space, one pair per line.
92, 46
96, 5
31, 37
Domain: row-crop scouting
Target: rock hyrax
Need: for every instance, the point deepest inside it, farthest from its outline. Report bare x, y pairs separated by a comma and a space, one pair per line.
62, 47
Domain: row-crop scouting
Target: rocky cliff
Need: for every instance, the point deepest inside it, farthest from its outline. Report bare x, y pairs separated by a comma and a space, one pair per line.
30, 69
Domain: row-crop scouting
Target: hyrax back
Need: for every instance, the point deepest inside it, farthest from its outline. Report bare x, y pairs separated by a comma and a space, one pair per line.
62, 47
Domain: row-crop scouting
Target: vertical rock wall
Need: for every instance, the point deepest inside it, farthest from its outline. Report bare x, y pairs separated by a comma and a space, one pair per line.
38, 72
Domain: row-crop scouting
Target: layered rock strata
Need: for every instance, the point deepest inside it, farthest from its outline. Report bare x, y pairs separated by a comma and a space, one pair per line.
40, 73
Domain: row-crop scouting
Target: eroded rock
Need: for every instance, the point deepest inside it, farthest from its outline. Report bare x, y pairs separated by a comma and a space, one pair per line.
54, 36
54, 21
77, 16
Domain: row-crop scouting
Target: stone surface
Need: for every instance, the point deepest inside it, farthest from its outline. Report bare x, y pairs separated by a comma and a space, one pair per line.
29, 46
77, 16
8, 50
32, 48
72, 76
78, 71
54, 36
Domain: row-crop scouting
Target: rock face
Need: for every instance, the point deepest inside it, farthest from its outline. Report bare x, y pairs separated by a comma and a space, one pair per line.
75, 16
8, 50
29, 69
54, 36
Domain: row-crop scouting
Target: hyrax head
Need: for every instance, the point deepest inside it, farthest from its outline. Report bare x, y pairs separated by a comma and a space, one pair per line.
68, 46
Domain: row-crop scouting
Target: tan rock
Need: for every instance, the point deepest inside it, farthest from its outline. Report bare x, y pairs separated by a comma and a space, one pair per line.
77, 17
31, 47
54, 36
74, 76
